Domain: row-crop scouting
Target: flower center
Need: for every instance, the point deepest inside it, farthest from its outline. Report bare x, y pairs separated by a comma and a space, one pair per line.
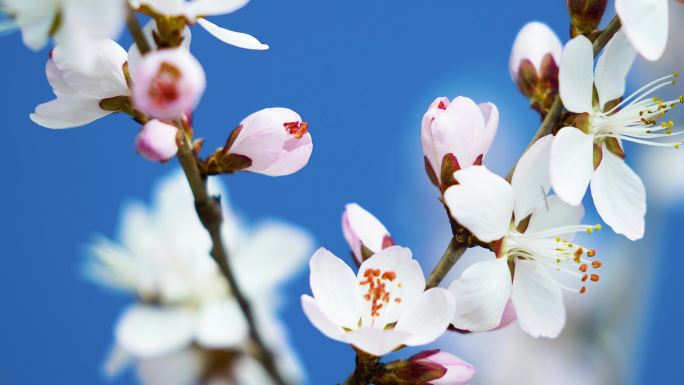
164, 87
378, 291
298, 129
547, 248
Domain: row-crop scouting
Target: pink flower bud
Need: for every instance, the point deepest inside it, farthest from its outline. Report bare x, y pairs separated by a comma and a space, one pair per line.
362, 230
456, 135
458, 372
157, 141
275, 140
534, 42
168, 83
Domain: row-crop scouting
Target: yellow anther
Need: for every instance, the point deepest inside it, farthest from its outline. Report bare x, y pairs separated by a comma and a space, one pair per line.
590, 230
681, 99
598, 226
557, 239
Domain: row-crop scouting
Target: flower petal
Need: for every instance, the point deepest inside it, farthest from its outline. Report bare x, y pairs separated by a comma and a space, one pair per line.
538, 300
370, 231
320, 320
456, 130
553, 213
238, 39
335, 289
148, 331
377, 342
427, 317
178, 368
491, 116
612, 68
531, 181
619, 196
646, 24
68, 112
482, 202
576, 76
294, 156
214, 7
481, 295
572, 164
221, 324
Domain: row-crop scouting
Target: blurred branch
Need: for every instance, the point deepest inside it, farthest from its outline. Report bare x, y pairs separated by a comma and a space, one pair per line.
210, 214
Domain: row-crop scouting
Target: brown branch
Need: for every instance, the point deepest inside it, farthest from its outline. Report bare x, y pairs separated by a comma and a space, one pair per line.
211, 215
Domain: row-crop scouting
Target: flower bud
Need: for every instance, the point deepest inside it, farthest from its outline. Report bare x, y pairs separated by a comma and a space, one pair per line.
168, 83
157, 141
586, 15
456, 135
458, 372
273, 141
534, 64
364, 233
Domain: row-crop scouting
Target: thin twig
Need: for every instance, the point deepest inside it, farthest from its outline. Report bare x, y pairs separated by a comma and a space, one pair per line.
210, 214
451, 255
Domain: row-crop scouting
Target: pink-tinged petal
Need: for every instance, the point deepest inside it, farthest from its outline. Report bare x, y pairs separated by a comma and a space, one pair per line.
538, 300
406, 286
237, 39
458, 130
149, 29
612, 68
321, 321
571, 164
221, 324
646, 24
427, 317
377, 342
576, 75
361, 228
183, 367
148, 331
491, 117
437, 107
481, 295
156, 141
554, 213
534, 41
531, 180
335, 289
508, 316
458, 372
619, 196
295, 154
482, 202
68, 112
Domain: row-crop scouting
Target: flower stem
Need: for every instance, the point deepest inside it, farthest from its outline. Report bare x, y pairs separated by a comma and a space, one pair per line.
367, 367
210, 214
451, 255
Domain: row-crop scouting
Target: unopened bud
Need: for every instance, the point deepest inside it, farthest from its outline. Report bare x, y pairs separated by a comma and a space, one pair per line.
168, 83
586, 15
458, 372
431, 367
364, 233
157, 141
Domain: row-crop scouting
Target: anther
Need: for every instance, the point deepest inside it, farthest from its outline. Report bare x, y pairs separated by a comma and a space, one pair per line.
583, 267
596, 264
595, 277
591, 253
583, 289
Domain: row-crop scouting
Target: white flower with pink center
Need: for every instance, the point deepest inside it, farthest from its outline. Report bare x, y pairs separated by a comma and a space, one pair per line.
379, 309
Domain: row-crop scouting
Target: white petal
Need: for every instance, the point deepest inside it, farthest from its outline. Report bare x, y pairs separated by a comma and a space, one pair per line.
619, 196
491, 116
553, 213
612, 68
481, 294
117, 361
531, 181
273, 253
148, 331
68, 112
237, 39
482, 202
335, 289
571, 164
320, 320
179, 368
538, 300
646, 24
221, 324
534, 41
215, 7
377, 342
102, 18
370, 231
427, 317
576, 75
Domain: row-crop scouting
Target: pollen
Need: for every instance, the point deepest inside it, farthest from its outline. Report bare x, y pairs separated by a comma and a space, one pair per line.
596, 264
583, 267
583, 290
297, 129
591, 253
378, 293
595, 277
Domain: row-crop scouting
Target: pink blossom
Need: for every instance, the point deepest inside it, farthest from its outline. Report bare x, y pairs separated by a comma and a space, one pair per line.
168, 83
157, 141
276, 141
362, 230
458, 372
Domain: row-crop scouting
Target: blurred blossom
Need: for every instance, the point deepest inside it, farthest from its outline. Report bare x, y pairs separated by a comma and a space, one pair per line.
364, 233
168, 83
149, 31
79, 94
590, 151
381, 308
484, 203
456, 135
646, 24
197, 10
275, 141
157, 141
75, 25
184, 305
